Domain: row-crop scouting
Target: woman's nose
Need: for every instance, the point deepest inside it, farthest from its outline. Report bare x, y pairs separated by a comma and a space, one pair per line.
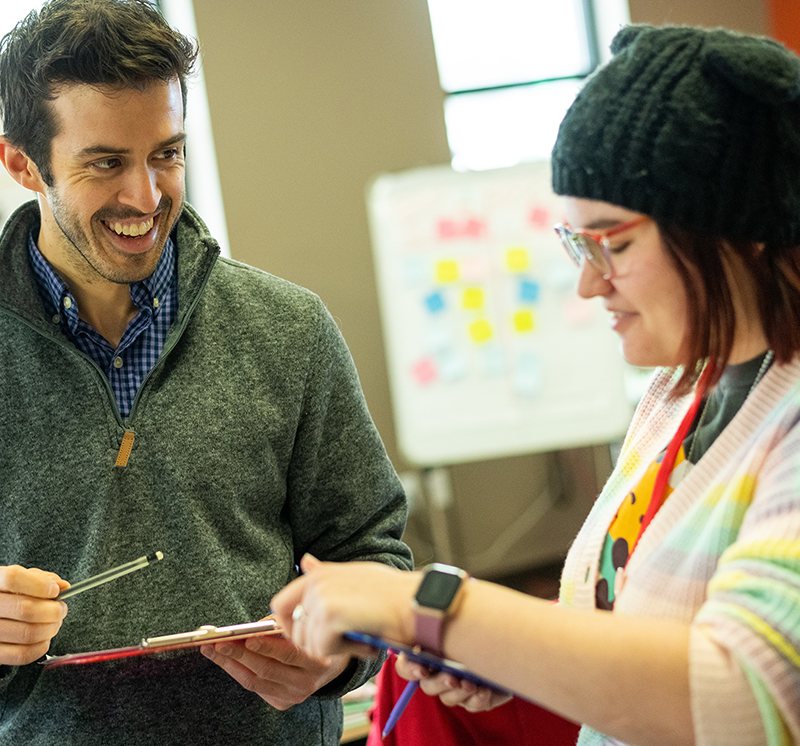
592, 281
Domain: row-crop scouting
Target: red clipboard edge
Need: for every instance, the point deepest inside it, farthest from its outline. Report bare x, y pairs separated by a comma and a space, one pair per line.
150, 645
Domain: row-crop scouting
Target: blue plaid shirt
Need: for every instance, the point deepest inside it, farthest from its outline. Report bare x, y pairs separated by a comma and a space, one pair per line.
141, 344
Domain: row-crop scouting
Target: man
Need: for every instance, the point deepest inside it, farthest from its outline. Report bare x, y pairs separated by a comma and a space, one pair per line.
155, 397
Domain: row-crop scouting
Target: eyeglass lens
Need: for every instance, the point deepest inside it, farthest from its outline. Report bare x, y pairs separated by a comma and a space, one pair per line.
592, 250
579, 245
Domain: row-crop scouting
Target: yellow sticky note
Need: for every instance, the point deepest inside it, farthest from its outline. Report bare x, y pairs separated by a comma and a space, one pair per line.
447, 271
480, 331
472, 299
517, 259
524, 321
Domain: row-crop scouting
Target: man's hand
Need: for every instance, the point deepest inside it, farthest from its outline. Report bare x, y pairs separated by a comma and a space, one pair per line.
275, 668
29, 614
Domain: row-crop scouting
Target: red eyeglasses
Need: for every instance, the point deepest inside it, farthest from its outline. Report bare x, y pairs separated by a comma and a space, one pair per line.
593, 246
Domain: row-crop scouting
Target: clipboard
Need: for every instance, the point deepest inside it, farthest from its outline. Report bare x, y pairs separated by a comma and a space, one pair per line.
149, 645
429, 660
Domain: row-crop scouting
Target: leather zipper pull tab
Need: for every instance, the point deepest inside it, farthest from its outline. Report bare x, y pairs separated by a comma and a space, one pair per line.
125, 449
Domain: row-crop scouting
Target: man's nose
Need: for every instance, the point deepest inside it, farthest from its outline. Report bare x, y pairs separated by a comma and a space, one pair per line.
140, 190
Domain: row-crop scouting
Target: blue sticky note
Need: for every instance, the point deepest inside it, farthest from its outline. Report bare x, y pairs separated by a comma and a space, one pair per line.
528, 291
435, 302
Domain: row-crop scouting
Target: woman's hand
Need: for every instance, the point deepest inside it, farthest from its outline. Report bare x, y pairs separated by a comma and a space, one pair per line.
332, 598
329, 599
451, 690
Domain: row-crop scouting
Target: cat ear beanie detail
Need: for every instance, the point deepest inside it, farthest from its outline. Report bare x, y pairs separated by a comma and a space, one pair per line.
696, 128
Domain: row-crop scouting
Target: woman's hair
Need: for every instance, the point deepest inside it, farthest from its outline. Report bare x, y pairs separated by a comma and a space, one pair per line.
706, 266
116, 43
700, 130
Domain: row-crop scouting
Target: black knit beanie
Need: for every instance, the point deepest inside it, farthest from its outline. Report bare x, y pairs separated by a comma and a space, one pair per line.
697, 128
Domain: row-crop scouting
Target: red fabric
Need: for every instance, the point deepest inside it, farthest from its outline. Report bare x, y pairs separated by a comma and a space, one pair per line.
427, 722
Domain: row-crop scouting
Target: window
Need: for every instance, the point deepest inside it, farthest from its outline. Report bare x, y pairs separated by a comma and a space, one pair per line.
14, 11
511, 68
12, 195
203, 189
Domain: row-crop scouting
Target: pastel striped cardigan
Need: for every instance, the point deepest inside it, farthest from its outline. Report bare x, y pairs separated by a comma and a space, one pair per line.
723, 554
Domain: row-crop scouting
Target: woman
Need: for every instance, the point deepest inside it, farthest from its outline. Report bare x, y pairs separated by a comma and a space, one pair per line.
679, 615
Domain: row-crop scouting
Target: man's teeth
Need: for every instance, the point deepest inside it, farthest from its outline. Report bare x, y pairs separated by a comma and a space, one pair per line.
137, 229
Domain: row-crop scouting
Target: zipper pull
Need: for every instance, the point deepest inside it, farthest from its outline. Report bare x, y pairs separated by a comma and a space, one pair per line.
125, 449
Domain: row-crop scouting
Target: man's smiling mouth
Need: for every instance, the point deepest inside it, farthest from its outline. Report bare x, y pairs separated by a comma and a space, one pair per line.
129, 229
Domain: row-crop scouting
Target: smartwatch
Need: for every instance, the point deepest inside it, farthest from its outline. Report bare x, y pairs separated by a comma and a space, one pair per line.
435, 599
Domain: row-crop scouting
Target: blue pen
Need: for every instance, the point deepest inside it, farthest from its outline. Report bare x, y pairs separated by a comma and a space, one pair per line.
399, 706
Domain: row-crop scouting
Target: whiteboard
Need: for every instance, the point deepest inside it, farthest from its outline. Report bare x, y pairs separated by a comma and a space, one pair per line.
490, 351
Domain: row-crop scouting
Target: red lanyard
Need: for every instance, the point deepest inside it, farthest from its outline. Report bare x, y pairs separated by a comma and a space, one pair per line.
668, 463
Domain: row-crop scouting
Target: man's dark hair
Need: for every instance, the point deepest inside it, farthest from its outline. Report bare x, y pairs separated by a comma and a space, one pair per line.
116, 43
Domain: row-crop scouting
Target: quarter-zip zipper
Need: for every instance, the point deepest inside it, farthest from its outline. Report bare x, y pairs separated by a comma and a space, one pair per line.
171, 341
169, 345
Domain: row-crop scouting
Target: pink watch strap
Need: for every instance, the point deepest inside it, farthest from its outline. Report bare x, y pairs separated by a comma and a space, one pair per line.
428, 632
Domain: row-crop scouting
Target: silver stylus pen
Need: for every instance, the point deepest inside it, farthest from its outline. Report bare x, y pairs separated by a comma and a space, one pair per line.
108, 575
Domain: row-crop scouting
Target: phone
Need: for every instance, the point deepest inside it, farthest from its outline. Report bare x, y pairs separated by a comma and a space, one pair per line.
429, 660
195, 638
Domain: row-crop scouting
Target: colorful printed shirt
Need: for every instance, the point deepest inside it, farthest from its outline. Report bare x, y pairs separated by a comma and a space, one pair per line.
718, 410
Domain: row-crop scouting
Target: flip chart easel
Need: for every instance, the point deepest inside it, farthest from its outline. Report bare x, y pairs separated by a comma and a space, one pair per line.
490, 351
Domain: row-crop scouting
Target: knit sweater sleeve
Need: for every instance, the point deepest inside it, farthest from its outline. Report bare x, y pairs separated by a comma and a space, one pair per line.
345, 500
745, 648
7, 674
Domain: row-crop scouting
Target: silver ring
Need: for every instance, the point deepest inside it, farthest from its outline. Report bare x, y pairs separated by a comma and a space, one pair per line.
299, 613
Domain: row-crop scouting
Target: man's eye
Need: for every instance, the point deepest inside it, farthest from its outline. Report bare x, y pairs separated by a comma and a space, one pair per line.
170, 154
107, 163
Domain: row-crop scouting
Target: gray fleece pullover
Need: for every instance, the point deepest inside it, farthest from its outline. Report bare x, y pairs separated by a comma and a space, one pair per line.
252, 445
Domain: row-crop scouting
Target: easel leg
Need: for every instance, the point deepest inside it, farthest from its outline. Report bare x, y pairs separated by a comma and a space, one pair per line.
438, 497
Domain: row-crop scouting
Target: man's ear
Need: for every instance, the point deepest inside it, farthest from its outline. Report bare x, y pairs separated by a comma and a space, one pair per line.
22, 169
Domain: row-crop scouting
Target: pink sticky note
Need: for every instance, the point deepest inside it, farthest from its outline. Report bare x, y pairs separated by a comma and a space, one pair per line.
424, 371
539, 217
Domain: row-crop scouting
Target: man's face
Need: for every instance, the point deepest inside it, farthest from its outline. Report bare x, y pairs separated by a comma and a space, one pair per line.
118, 170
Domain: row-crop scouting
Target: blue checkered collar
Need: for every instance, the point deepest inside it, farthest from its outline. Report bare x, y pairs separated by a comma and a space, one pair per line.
60, 304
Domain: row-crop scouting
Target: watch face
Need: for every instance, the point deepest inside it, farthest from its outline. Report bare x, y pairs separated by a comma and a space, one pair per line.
437, 590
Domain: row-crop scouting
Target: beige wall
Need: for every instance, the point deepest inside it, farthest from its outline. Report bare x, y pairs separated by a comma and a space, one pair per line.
309, 101
749, 16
